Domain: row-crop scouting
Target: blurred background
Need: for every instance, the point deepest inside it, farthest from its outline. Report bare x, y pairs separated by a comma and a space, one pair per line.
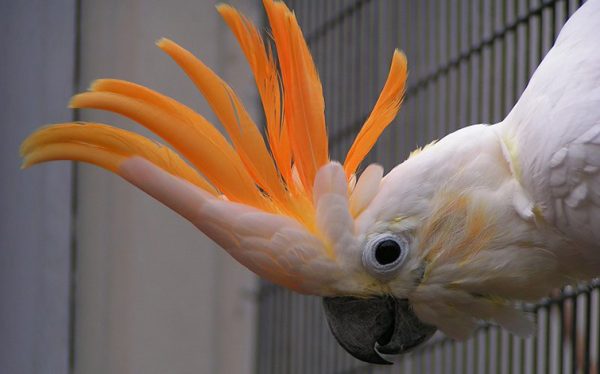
96, 277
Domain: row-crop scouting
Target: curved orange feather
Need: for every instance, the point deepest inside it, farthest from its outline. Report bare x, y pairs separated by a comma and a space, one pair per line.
304, 104
381, 116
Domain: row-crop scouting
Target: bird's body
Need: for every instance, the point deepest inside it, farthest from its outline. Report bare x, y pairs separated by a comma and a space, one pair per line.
487, 216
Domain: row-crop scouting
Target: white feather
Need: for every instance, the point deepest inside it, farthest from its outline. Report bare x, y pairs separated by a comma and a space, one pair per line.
366, 188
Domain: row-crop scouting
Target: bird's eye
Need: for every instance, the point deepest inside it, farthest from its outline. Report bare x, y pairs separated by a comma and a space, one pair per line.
384, 254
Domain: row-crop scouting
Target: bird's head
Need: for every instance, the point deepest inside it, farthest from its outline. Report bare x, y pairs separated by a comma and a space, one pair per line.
378, 250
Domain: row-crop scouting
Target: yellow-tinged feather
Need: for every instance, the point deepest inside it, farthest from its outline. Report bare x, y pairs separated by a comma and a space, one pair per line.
304, 104
383, 113
244, 134
104, 146
422, 149
221, 165
479, 232
458, 229
513, 153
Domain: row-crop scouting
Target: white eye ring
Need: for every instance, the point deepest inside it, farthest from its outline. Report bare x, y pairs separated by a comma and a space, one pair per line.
384, 254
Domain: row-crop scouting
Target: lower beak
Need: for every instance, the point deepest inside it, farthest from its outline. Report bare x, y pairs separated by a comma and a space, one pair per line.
368, 327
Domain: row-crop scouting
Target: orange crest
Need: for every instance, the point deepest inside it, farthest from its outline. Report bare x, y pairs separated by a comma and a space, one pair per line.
276, 179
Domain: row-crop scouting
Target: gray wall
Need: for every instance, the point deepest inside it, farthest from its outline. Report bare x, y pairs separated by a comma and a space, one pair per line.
36, 80
151, 294
154, 295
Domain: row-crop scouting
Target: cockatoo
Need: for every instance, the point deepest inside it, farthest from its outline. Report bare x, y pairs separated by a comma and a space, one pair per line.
461, 232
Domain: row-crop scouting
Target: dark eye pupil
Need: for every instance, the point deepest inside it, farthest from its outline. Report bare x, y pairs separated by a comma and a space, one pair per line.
387, 252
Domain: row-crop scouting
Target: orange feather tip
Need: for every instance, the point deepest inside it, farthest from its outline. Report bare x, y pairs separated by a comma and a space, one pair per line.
222, 7
168, 46
99, 84
400, 58
160, 42
26, 161
75, 101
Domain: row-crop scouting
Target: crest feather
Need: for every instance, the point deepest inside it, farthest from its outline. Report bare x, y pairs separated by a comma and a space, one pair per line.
304, 106
264, 68
244, 134
104, 146
383, 113
220, 163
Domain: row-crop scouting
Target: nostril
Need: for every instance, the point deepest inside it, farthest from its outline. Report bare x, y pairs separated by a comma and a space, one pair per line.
387, 252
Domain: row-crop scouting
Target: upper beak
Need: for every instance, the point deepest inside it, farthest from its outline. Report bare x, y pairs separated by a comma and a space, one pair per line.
368, 327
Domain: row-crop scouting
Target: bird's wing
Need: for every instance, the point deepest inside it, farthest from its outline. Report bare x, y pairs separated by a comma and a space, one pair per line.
552, 135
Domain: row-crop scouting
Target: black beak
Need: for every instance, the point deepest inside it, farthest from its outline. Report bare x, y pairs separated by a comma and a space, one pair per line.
368, 327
